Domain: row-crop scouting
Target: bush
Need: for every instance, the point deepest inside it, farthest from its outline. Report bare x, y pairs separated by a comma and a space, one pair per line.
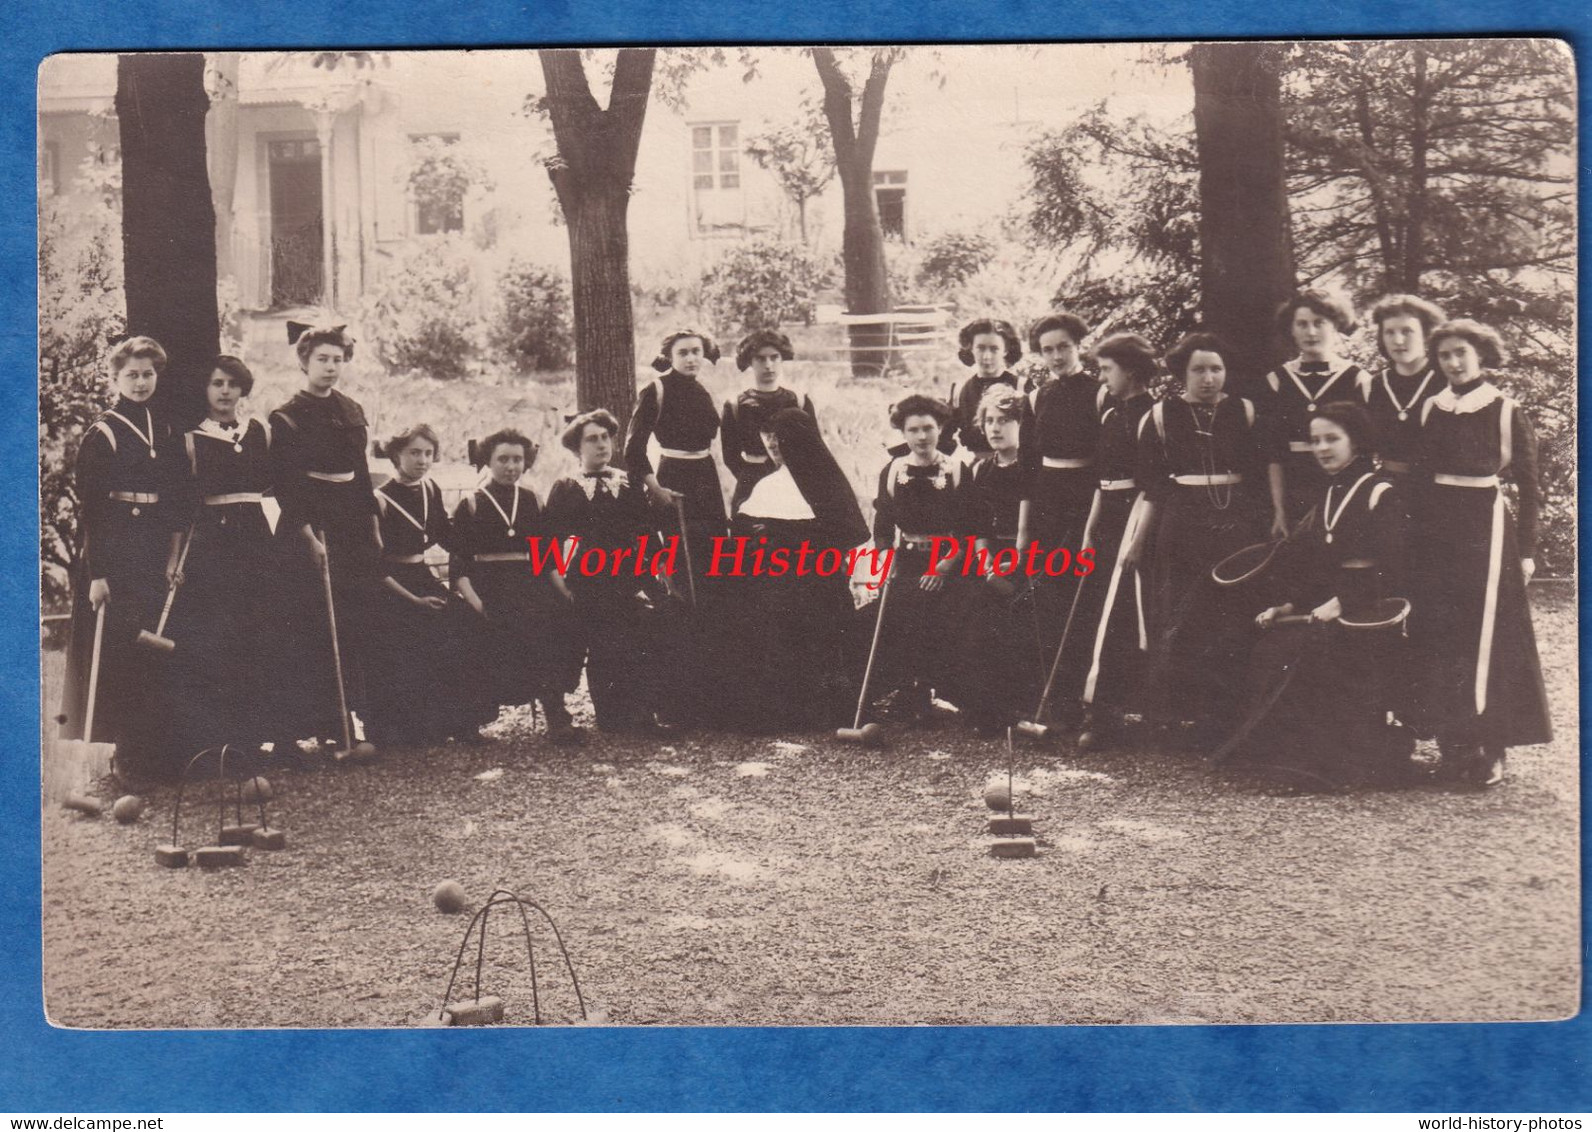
762, 285
80, 310
531, 325
422, 315
951, 259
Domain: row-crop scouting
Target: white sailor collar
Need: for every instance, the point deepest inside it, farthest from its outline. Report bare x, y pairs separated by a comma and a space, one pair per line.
210, 428
1473, 401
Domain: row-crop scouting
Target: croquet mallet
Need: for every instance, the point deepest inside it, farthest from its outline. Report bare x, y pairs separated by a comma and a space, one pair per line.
350, 750
157, 640
77, 762
685, 540
870, 734
1037, 728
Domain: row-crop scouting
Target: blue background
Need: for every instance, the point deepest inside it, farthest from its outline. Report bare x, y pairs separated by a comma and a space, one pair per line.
1528, 1067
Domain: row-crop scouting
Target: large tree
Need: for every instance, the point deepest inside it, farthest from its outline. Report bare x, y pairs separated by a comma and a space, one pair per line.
169, 220
1246, 244
592, 176
854, 109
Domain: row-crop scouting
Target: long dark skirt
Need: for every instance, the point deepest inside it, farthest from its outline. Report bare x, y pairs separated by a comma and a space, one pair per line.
1319, 698
526, 635
698, 481
1483, 680
614, 634
919, 643
1112, 628
1199, 631
422, 680
305, 704
1003, 654
133, 550
1062, 498
221, 674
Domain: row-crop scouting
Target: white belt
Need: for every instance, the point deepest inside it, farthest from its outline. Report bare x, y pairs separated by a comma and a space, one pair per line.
332, 477
1299, 446
1400, 467
505, 556
750, 458
1068, 461
684, 454
135, 496
405, 559
1465, 481
1118, 485
1221, 480
233, 497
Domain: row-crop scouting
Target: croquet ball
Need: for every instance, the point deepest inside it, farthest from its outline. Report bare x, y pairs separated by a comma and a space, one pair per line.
257, 790
363, 751
127, 808
449, 897
998, 796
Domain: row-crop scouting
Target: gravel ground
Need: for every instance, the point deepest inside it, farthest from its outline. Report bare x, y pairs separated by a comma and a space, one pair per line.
736, 881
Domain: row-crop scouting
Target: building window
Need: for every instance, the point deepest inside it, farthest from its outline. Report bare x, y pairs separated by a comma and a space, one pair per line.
438, 181
718, 205
890, 195
49, 169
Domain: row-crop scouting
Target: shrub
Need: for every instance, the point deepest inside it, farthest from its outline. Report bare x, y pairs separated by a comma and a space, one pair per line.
531, 325
422, 315
80, 310
761, 285
951, 259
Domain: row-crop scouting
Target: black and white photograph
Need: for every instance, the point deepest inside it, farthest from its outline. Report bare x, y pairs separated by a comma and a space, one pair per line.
1021, 534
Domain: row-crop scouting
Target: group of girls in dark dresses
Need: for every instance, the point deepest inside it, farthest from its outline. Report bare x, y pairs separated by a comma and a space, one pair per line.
1359, 493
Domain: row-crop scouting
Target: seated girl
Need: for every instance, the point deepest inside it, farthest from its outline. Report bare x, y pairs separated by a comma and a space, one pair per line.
741, 432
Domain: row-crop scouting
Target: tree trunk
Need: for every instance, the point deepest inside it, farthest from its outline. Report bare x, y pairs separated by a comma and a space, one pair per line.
168, 221
1414, 265
592, 177
862, 242
1246, 248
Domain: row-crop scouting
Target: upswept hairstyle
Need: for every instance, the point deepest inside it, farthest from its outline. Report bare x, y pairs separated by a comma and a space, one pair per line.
480, 452
1065, 321
1488, 342
575, 430
306, 337
391, 448
1325, 303
1000, 401
919, 405
1178, 358
760, 340
1354, 420
233, 368
663, 363
1429, 315
137, 347
1134, 354
1014, 347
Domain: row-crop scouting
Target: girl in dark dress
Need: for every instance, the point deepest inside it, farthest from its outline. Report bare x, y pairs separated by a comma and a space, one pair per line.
1110, 624
741, 435
1483, 688
525, 652
1201, 458
122, 480
322, 481
921, 496
1003, 651
222, 670
1328, 726
601, 509
1397, 396
1066, 433
990, 347
679, 411
788, 664
1315, 322
420, 685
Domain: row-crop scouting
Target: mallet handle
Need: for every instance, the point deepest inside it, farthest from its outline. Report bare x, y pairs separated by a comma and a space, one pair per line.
1061, 648
685, 540
171, 589
93, 672
337, 656
873, 649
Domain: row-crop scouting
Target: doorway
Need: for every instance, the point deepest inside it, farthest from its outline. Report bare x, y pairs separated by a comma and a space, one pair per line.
296, 217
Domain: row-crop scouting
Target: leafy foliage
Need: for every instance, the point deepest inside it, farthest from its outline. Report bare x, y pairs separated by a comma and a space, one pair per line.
80, 310
952, 258
532, 327
422, 315
801, 156
761, 285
